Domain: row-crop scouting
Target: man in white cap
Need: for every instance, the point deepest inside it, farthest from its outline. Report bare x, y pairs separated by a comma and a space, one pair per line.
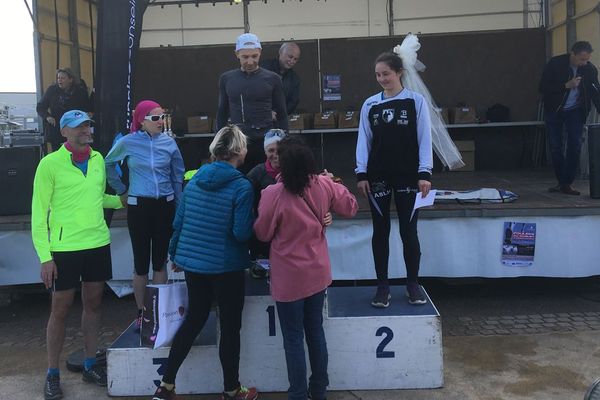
72, 241
247, 97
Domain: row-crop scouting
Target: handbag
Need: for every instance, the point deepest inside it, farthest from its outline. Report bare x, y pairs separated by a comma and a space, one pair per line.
165, 308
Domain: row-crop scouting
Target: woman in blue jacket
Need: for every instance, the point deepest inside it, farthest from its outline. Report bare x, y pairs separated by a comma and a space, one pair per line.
155, 181
211, 229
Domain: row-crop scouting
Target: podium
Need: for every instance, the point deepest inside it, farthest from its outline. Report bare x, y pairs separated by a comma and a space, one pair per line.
399, 347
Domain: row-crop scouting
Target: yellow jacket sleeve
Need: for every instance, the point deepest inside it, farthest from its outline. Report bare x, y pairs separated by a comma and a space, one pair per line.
43, 187
111, 201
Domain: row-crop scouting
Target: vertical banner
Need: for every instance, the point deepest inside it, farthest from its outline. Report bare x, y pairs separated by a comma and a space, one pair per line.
518, 246
119, 31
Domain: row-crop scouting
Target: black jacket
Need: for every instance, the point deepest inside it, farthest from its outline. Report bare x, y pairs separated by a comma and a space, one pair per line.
248, 99
260, 179
552, 85
291, 83
56, 101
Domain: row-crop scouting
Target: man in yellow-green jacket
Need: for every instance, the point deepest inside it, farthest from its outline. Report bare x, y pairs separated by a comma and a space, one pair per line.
68, 201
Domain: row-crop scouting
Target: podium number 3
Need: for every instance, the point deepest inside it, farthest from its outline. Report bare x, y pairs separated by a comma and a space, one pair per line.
388, 336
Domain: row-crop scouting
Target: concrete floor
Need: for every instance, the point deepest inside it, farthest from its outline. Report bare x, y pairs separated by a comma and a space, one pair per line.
557, 364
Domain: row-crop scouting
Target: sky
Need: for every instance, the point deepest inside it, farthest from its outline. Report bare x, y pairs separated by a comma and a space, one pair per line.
17, 65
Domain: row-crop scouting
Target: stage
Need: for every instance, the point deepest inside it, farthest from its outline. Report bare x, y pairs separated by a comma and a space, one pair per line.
457, 240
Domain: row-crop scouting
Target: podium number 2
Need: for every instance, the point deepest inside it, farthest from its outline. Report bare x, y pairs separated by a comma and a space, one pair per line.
271, 312
389, 335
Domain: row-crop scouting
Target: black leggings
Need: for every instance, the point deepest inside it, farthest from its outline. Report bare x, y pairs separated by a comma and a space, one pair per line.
229, 290
379, 201
150, 224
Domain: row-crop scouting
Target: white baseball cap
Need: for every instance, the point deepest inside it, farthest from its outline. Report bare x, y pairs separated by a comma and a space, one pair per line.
247, 41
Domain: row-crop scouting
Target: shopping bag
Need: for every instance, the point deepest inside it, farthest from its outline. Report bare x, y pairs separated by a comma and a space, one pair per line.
165, 308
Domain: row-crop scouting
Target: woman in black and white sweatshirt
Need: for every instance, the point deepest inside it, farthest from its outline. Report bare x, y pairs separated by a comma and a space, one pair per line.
394, 156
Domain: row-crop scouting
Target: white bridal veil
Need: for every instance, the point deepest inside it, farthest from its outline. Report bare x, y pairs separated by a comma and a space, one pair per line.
442, 143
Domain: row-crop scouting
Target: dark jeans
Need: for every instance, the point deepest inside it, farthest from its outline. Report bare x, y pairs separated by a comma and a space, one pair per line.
229, 290
298, 318
565, 167
379, 200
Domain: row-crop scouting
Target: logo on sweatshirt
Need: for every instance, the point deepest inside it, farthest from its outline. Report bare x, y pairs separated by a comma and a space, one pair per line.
388, 115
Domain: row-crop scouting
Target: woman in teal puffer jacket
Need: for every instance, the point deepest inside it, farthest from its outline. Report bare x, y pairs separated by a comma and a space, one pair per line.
211, 228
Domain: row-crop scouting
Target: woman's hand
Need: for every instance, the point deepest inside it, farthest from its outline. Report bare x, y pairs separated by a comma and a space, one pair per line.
331, 176
327, 173
51, 120
123, 199
175, 267
328, 220
424, 187
364, 188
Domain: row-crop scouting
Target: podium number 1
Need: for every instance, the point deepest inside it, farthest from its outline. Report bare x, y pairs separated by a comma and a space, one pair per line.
271, 312
389, 335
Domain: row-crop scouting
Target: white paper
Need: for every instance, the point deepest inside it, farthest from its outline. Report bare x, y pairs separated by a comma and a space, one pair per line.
423, 201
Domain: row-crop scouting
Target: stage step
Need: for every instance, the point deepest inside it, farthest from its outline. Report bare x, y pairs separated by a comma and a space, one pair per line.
399, 347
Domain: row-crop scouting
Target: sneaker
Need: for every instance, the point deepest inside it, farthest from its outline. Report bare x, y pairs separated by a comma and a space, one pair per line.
257, 271
554, 189
101, 357
96, 375
243, 393
162, 393
52, 390
568, 189
415, 294
382, 297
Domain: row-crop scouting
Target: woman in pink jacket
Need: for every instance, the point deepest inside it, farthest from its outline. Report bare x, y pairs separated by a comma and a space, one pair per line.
290, 216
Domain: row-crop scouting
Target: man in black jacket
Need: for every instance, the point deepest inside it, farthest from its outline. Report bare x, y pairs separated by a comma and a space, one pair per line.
289, 55
247, 97
569, 85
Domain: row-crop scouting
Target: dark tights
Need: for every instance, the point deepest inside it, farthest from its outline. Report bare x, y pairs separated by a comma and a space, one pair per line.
379, 201
228, 289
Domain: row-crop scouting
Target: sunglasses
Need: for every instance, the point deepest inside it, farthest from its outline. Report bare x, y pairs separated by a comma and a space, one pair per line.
275, 132
154, 118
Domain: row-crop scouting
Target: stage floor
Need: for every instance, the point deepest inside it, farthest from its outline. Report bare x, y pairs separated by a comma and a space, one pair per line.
531, 186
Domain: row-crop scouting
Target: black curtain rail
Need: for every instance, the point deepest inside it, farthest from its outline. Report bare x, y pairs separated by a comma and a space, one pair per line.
196, 2
213, 2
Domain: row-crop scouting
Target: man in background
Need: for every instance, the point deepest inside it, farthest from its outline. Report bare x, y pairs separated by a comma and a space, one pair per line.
289, 55
247, 97
569, 85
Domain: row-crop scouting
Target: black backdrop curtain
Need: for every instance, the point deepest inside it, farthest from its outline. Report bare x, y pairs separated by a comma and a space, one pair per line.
119, 30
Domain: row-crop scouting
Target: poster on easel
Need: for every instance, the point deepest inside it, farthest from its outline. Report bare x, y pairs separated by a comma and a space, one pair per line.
332, 87
518, 246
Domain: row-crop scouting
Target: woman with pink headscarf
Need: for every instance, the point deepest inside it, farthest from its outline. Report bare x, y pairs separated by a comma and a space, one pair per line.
155, 184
